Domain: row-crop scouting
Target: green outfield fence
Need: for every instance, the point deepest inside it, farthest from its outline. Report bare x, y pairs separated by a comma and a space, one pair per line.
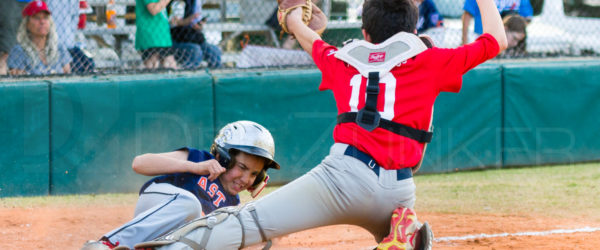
80, 135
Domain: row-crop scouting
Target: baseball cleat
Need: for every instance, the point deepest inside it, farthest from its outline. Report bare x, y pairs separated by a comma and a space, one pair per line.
404, 231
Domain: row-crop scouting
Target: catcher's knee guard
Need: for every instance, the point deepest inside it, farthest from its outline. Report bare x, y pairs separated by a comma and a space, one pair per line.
208, 222
407, 233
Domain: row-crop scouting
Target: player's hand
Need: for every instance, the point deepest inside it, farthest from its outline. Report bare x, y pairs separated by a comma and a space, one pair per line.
295, 15
210, 167
293, 19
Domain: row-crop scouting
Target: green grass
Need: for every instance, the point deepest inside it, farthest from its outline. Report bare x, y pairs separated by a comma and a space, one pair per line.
69, 200
87, 200
571, 190
564, 191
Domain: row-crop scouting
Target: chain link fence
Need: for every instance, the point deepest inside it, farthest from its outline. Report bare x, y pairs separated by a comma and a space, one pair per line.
123, 36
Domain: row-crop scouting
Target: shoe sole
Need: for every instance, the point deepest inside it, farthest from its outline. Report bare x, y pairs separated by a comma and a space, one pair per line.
425, 240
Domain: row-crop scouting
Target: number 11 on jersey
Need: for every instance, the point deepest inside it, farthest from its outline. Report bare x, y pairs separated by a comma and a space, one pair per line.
389, 97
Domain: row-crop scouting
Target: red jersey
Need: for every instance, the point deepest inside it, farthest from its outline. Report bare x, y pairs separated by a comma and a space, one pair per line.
406, 95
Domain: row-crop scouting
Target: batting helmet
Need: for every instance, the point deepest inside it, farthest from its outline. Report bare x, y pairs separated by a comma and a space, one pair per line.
248, 137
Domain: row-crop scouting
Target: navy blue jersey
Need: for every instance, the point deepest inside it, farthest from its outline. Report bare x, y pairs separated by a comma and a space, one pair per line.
211, 194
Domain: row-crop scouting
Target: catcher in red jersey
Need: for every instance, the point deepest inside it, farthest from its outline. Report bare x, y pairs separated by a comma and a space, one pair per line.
384, 87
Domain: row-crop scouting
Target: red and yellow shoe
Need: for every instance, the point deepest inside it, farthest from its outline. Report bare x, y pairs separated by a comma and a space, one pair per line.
406, 233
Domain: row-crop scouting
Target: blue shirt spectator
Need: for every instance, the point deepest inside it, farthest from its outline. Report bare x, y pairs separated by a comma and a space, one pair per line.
521, 7
429, 16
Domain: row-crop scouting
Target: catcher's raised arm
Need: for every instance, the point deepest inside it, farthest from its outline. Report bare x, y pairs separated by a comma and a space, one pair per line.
303, 19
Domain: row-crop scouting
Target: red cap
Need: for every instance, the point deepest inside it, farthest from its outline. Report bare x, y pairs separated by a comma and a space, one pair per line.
35, 7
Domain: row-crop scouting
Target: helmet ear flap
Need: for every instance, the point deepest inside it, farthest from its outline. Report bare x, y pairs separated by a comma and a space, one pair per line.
259, 178
224, 157
259, 184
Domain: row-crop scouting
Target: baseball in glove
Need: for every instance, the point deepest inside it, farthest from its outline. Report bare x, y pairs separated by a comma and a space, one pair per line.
312, 16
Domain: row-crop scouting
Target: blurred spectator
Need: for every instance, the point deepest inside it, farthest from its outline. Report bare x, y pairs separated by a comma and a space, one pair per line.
429, 16
38, 51
10, 18
65, 14
505, 7
288, 40
516, 36
189, 42
152, 35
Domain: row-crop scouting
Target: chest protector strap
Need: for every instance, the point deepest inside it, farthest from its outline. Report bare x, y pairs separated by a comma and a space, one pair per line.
374, 61
419, 135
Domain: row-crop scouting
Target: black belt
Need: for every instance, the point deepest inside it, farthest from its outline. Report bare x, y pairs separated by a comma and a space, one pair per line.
401, 174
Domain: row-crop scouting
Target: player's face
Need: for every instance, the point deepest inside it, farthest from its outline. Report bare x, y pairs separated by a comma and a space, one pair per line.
242, 173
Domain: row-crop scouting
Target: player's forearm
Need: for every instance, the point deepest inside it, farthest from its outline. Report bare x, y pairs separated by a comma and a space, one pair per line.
492, 22
157, 164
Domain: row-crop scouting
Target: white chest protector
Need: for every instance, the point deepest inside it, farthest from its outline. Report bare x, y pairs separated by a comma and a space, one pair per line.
367, 57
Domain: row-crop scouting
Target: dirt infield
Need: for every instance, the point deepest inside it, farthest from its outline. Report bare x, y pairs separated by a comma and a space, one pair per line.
52, 227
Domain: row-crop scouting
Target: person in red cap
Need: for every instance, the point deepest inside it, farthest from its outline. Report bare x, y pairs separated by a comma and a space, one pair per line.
38, 51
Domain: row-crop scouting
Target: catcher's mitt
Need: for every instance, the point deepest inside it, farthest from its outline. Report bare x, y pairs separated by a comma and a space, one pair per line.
312, 16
